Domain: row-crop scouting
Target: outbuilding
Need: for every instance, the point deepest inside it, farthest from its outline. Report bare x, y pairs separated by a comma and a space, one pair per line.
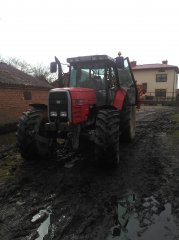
17, 91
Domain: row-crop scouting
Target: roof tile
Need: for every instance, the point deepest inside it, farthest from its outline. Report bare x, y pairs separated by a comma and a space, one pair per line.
11, 76
155, 66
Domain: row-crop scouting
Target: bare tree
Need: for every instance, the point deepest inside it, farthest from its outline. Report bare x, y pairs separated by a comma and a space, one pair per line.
43, 72
40, 71
20, 64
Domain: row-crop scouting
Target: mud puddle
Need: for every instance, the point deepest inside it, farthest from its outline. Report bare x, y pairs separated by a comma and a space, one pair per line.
143, 218
43, 216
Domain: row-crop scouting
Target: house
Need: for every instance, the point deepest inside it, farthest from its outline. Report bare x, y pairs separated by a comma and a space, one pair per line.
159, 80
17, 91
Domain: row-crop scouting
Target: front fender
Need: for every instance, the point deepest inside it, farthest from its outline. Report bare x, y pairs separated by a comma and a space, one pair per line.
43, 108
38, 106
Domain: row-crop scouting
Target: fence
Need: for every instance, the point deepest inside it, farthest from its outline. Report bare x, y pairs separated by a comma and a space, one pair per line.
170, 99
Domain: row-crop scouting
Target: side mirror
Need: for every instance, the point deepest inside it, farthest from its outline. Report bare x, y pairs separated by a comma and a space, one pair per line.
56, 66
53, 67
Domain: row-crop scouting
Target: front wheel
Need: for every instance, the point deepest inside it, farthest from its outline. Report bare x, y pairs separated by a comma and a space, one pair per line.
32, 140
107, 136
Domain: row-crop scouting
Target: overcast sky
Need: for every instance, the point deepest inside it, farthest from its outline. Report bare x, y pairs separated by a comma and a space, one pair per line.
37, 30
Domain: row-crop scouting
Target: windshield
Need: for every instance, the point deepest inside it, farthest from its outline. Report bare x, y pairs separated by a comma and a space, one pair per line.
87, 77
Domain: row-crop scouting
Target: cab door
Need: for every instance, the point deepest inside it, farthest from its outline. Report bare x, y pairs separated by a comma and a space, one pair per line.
112, 84
127, 81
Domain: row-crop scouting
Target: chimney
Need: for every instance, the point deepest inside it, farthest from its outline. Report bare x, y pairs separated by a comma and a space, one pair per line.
133, 63
164, 62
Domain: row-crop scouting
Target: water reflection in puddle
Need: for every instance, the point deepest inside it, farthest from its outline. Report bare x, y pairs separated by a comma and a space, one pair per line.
144, 222
164, 226
44, 217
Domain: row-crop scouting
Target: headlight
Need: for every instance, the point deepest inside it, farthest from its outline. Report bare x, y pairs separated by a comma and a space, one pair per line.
53, 114
63, 114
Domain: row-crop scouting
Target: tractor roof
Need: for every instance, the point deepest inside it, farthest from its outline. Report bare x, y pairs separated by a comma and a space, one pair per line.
92, 58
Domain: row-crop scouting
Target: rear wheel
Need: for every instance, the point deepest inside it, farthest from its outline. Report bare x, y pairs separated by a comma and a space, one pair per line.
107, 137
128, 122
32, 140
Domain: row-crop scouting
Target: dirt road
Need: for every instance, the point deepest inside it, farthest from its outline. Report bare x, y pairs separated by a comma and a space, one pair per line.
72, 199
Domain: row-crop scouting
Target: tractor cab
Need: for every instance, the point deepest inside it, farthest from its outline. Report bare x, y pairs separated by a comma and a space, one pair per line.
100, 72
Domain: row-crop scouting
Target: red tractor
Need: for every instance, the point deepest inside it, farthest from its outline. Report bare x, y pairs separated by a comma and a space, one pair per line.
98, 101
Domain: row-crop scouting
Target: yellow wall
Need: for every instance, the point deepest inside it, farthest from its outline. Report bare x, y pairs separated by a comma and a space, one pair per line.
149, 77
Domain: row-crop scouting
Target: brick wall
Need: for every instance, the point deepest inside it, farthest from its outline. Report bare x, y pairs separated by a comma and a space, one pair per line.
13, 102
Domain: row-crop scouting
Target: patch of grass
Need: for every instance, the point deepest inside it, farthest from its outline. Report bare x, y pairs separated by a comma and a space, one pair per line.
175, 133
175, 117
175, 136
9, 166
7, 139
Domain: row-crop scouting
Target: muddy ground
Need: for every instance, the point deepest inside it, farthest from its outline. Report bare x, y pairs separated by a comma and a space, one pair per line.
70, 198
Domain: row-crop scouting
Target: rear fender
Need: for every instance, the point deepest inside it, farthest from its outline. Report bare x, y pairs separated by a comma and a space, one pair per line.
119, 99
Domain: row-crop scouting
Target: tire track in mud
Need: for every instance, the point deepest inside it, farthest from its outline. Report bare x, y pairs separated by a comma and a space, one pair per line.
152, 176
84, 199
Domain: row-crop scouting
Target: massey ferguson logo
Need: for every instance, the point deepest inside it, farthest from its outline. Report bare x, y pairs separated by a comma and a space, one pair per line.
58, 101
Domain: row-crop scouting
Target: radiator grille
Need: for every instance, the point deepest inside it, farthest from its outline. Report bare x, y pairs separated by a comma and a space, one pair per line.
58, 102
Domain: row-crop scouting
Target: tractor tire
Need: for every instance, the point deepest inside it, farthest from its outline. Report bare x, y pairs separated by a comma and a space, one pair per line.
127, 122
32, 141
107, 137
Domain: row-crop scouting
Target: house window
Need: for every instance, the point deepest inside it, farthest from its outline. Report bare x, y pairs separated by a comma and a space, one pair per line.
161, 77
160, 93
27, 95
